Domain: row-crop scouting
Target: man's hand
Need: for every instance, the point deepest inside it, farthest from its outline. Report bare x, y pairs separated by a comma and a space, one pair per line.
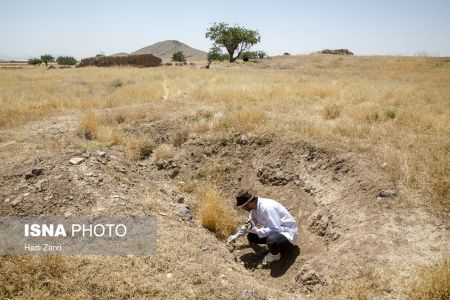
240, 233
232, 238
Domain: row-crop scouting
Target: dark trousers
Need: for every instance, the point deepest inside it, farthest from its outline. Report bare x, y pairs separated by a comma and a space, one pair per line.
274, 242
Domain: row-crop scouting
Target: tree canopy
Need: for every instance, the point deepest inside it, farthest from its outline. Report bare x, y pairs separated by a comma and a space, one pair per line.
232, 38
46, 58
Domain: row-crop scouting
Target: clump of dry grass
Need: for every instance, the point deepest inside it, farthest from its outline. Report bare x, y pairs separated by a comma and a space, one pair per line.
89, 126
139, 148
432, 282
331, 112
241, 121
212, 171
164, 151
215, 214
180, 137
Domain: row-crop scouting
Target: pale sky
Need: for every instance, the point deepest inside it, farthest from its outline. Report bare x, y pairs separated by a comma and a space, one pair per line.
85, 28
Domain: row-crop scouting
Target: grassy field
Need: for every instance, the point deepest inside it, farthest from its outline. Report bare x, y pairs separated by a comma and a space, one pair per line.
394, 110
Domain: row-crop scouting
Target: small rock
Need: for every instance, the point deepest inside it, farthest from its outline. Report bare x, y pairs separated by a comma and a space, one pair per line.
161, 164
35, 171
246, 294
174, 173
386, 193
86, 155
67, 214
204, 248
7, 200
90, 174
169, 275
115, 196
185, 213
16, 201
180, 200
101, 154
76, 160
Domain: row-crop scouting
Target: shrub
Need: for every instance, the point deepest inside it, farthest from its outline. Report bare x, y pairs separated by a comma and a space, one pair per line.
178, 56
34, 61
66, 60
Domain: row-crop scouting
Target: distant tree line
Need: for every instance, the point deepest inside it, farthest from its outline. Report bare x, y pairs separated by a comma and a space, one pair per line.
46, 58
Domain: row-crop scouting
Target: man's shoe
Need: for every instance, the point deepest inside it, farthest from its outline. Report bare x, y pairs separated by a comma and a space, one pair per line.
269, 258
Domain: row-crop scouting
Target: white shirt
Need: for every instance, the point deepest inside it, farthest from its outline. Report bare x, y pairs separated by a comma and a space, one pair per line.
274, 218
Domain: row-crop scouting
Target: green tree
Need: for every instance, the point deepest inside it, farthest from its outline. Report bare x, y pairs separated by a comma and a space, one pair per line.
46, 58
215, 53
232, 38
66, 60
178, 56
34, 61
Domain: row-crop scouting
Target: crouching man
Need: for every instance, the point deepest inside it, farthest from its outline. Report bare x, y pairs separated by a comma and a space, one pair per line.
276, 227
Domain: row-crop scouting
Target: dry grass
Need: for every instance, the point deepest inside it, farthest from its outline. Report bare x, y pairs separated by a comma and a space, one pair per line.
139, 148
164, 151
432, 282
180, 137
89, 126
214, 212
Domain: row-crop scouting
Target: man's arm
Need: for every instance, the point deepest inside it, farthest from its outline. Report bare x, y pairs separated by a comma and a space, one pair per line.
273, 224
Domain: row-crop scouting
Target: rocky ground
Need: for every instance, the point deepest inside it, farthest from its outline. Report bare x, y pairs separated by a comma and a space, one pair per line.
355, 223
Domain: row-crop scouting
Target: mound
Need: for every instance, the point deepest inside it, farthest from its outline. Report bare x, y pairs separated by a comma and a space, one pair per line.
120, 54
143, 60
166, 49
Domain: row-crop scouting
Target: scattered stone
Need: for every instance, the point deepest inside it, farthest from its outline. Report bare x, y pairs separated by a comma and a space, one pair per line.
246, 294
243, 139
162, 214
35, 171
67, 214
76, 160
174, 173
386, 193
162, 164
101, 154
115, 196
169, 275
16, 201
180, 200
185, 213
90, 174
204, 248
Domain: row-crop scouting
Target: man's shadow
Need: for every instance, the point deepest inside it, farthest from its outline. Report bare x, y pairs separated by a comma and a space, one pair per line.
278, 268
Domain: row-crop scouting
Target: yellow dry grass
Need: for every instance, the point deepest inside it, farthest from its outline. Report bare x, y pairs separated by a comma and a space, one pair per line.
215, 213
395, 110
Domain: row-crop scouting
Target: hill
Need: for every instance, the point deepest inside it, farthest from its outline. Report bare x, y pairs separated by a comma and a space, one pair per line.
166, 49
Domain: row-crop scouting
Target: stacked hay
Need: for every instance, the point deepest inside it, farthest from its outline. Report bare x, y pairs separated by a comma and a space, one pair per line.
141, 60
336, 52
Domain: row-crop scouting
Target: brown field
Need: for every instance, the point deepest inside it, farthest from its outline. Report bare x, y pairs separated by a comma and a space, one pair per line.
345, 127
